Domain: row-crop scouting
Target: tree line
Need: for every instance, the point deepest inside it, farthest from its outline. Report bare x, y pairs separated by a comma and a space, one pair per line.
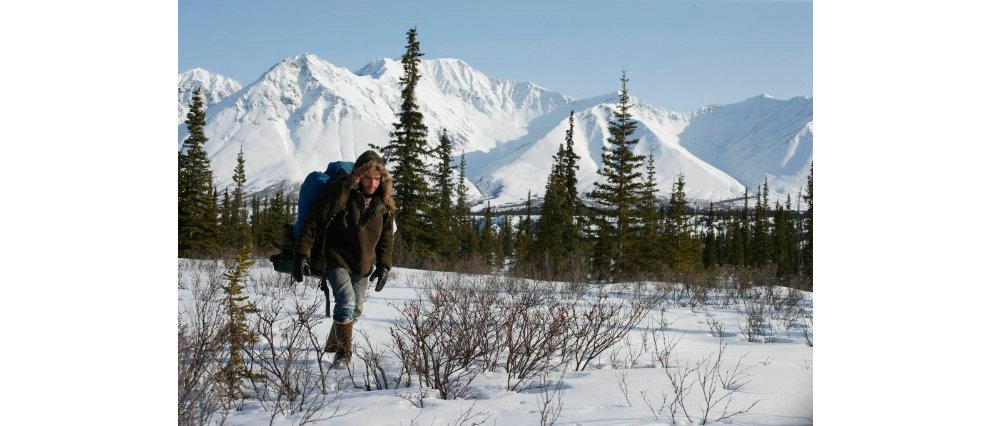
625, 228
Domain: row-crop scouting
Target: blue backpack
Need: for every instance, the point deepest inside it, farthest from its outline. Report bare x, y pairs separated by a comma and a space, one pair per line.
313, 186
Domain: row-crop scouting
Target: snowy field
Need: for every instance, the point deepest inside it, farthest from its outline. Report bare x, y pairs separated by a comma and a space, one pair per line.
666, 370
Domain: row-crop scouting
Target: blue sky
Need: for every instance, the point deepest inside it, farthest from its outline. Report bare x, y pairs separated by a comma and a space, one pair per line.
679, 55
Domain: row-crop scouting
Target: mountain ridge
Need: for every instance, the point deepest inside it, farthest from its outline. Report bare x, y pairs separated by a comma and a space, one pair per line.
304, 112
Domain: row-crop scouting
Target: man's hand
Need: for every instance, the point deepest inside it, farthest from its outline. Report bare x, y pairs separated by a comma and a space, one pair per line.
381, 274
300, 268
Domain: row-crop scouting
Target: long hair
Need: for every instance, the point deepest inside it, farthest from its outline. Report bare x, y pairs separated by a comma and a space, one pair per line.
384, 189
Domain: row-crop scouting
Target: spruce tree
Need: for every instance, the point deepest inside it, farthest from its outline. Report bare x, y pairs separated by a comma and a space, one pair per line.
548, 244
406, 154
465, 223
443, 230
761, 227
237, 333
648, 241
506, 239
239, 220
226, 228
525, 234
618, 192
681, 250
709, 253
487, 244
806, 250
198, 215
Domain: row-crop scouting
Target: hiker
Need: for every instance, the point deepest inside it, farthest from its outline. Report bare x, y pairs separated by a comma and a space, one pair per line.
358, 245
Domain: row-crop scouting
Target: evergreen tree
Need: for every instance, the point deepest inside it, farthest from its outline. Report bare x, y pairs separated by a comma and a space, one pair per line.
442, 218
256, 219
617, 196
648, 240
548, 244
197, 228
745, 230
709, 254
226, 229
465, 222
406, 153
506, 239
761, 228
237, 331
487, 244
806, 250
525, 234
558, 235
238, 212
571, 235
681, 250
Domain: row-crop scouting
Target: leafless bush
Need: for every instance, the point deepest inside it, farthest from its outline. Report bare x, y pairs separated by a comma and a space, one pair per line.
679, 295
785, 304
536, 324
622, 376
699, 296
433, 343
808, 332
551, 399
276, 285
472, 417
595, 328
418, 397
375, 377
200, 346
755, 313
715, 326
707, 376
663, 343
627, 355
292, 380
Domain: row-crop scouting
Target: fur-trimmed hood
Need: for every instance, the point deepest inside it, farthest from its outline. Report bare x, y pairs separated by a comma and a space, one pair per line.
370, 160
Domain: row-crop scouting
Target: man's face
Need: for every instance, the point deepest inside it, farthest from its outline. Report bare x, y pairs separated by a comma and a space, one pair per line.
370, 181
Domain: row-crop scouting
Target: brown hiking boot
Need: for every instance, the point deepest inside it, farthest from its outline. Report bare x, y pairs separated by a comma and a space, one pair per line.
333, 343
333, 339
345, 332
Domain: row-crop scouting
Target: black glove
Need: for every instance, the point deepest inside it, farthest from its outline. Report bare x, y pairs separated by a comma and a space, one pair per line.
382, 275
300, 268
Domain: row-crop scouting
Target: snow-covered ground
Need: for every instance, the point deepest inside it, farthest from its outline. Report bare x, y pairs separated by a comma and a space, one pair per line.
626, 384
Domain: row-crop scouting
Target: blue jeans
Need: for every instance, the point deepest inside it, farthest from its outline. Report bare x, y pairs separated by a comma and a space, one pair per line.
348, 294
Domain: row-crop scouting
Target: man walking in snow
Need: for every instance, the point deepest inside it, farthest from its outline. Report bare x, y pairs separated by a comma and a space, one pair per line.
358, 215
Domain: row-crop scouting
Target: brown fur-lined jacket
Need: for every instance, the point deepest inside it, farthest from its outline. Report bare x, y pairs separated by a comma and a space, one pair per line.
357, 238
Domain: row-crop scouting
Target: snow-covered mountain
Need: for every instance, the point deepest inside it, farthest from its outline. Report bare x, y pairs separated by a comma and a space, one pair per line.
305, 112
758, 138
215, 88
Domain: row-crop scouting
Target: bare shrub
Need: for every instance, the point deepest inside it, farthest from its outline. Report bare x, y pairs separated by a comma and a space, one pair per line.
663, 343
597, 327
287, 357
551, 399
472, 417
627, 355
375, 377
808, 331
200, 346
622, 376
715, 326
708, 377
754, 312
433, 343
536, 324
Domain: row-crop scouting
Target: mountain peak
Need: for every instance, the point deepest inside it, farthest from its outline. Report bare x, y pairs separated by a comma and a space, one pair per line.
381, 67
215, 87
